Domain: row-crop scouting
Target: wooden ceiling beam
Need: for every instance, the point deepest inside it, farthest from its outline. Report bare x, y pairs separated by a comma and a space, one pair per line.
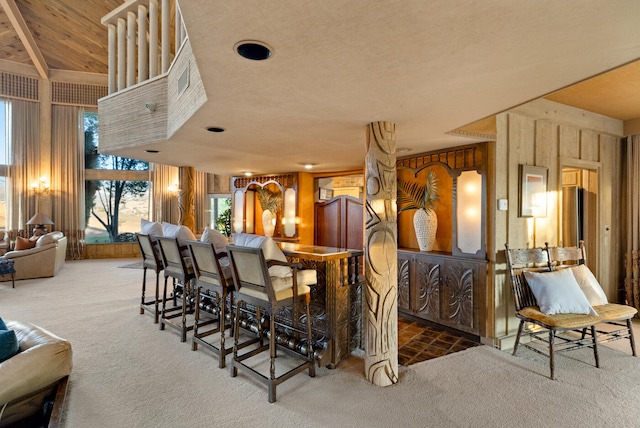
20, 25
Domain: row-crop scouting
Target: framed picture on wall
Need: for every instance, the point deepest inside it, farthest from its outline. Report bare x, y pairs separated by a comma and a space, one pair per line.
325, 194
533, 191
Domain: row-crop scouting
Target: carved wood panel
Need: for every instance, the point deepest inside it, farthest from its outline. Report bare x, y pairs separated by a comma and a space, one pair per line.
443, 289
404, 282
428, 288
457, 297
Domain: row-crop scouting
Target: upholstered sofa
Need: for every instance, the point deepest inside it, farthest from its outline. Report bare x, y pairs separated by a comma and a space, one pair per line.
31, 379
44, 260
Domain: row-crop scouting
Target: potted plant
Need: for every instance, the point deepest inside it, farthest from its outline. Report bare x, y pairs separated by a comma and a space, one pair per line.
271, 203
422, 198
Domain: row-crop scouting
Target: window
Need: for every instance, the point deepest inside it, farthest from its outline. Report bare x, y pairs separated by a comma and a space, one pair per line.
116, 191
4, 156
221, 213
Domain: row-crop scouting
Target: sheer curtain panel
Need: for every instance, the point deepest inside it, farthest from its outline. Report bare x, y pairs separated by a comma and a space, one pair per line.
24, 159
67, 176
631, 260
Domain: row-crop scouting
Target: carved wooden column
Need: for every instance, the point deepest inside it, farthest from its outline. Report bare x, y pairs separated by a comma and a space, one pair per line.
186, 205
381, 258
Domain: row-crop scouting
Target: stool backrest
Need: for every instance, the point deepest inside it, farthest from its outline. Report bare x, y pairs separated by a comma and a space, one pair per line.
150, 252
175, 264
250, 270
206, 264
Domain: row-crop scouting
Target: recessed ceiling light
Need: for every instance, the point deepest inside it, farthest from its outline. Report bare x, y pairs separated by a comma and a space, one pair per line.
248, 173
215, 129
152, 151
309, 165
253, 50
403, 150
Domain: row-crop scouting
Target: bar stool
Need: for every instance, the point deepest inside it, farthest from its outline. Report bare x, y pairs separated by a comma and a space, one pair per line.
254, 286
215, 286
151, 260
180, 269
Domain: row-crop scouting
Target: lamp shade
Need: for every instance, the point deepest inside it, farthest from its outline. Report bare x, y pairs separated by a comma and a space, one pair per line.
40, 219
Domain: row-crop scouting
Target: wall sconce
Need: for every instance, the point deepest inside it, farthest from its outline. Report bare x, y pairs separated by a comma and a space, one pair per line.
41, 187
469, 212
174, 189
289, 219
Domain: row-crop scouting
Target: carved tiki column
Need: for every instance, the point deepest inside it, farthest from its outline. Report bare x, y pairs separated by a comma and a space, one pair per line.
186, 205
381, 257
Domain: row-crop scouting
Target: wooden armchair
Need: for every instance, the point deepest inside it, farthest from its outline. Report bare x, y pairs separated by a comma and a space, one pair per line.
215, 286
527, 309
180, 269
616, 315
255, 286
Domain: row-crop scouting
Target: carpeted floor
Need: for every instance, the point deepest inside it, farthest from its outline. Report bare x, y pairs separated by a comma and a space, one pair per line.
127, 373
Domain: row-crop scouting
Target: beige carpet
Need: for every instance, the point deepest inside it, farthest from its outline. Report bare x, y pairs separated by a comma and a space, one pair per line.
127, 373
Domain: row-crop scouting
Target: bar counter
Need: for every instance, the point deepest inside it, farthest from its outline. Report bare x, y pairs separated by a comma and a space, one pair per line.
336, 300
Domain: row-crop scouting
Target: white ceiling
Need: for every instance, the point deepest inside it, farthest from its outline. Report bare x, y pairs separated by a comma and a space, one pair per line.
430, 66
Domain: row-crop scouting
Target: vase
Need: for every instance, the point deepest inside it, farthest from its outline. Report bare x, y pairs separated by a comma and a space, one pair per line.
268, 222
425, 224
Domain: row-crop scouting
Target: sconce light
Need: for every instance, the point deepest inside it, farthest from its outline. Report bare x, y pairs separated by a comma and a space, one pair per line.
289, 217
151, 107
174, 188
41, 187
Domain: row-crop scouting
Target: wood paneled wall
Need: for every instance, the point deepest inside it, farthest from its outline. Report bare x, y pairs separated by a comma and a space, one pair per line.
551, 135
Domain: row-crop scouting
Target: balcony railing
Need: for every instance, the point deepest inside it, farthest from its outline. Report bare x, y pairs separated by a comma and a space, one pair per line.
140, 45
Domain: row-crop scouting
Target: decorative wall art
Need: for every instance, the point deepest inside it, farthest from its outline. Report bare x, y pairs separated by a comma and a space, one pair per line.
533, 191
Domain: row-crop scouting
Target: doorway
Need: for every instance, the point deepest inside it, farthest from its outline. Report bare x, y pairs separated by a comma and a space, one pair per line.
580, 211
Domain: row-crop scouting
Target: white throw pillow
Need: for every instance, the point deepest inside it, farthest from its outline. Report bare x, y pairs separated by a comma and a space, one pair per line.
558, 292
247, 240
151, 228
216, 238
589, 285
270, 250
183, 233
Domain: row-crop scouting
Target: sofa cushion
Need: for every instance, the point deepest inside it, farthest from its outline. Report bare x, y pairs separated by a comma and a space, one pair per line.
3, 326
46, 239
24, 243
9, 345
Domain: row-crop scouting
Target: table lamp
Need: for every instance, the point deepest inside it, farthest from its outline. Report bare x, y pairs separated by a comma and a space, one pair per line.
40, 221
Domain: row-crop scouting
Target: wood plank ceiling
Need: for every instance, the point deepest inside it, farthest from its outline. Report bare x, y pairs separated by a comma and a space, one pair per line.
67, 32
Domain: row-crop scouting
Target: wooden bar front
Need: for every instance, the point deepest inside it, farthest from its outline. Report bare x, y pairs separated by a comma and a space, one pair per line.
336, 300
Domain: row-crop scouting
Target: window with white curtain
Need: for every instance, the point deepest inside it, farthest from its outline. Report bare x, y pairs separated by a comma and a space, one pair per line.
4, 155
116, 190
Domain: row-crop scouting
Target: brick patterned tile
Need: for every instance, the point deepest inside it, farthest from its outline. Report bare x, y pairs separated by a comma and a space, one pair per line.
417, 342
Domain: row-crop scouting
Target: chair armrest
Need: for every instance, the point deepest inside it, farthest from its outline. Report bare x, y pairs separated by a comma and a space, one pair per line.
281, 263
21, 253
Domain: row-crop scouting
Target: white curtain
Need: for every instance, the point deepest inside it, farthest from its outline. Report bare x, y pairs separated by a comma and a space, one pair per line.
67, 176
164, 204
24, 158
201, 202
632, 262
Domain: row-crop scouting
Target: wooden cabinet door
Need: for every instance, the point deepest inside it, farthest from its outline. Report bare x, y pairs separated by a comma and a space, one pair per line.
427, 287
458, 308
404, 282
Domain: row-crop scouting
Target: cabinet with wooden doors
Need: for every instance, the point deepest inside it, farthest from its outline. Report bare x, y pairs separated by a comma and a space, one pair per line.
443, 289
